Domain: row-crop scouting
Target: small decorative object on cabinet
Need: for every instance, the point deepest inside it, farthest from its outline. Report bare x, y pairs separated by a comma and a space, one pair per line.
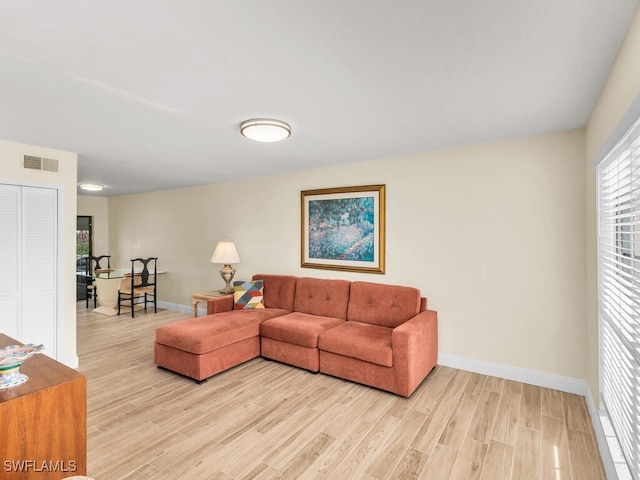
11, 358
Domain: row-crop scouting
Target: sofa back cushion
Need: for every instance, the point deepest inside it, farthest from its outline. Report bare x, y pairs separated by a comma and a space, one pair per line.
278, 290
384, 305
328, 298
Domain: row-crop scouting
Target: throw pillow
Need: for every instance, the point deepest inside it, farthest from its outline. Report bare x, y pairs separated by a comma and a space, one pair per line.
247, 295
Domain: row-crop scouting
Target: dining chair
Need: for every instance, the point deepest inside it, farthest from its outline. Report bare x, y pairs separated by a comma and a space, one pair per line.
93, 264
141, 285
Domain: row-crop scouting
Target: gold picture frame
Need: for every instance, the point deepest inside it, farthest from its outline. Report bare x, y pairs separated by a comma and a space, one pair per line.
344, 229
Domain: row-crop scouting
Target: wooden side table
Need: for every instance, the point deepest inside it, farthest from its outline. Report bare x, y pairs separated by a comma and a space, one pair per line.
44, 421
204, 297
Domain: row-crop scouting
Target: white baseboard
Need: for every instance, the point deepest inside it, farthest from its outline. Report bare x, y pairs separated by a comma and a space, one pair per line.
541, 379
532, 377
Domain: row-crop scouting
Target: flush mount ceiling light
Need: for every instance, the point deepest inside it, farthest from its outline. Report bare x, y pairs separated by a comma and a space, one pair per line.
265, 129
91, 187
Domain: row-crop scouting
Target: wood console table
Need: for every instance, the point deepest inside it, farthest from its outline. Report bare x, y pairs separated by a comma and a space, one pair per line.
44, 421
204, 297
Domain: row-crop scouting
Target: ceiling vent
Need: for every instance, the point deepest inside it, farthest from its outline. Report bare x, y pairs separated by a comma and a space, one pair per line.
29, 162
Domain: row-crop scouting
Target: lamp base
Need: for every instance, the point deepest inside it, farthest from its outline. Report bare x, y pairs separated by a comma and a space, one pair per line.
227, 274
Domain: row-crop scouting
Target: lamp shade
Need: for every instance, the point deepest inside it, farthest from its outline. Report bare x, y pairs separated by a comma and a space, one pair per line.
225, 253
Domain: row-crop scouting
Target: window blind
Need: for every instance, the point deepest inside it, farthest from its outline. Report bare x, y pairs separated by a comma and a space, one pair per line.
618, 177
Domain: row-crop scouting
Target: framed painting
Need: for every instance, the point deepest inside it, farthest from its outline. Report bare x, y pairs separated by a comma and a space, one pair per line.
344, 228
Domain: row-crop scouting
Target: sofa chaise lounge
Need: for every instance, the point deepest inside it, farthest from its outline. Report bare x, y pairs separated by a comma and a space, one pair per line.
375, 334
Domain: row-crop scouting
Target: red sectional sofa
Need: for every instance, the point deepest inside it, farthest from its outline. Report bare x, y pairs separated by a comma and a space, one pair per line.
375, 334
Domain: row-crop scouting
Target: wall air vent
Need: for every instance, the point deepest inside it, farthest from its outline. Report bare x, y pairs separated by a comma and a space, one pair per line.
29, 162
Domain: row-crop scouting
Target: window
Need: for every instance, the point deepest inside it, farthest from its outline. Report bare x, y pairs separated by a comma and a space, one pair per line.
618, 176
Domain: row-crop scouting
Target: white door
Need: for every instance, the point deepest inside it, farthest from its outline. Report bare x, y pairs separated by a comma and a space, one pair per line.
29, 249
39, 275
9, 258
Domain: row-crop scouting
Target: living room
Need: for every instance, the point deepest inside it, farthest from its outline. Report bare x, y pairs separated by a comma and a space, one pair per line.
499, 235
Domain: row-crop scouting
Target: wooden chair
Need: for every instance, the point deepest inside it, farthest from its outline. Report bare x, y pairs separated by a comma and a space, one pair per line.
141, 285
93, 264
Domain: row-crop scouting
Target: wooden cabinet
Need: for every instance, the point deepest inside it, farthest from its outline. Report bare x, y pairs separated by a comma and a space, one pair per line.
43, 421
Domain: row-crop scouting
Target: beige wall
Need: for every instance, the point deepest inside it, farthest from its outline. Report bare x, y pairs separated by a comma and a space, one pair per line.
488, 233
11, 169
98, 208
621, 88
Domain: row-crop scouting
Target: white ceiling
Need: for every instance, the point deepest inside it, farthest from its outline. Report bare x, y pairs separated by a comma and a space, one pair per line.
150, 93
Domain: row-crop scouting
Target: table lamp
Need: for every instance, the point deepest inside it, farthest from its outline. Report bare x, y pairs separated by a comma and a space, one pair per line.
226, 254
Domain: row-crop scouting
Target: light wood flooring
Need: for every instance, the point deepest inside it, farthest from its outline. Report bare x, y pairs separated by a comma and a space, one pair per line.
266, 420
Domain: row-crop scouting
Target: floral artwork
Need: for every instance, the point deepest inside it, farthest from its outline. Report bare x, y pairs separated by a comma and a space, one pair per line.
343, 228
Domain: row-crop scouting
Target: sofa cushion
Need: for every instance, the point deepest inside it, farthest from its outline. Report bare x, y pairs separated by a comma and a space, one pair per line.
370, 343
317, 296
279, 290
247, 295
205, 334
383, 305
298, 328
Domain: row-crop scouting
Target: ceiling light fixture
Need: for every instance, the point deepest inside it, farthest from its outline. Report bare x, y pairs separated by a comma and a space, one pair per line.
91, 187
265, 129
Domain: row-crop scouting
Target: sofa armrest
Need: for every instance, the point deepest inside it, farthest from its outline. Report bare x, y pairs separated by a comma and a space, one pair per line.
220, 304
415, 350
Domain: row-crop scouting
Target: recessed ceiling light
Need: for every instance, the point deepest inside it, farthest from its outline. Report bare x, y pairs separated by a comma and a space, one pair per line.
265, 129
91, 187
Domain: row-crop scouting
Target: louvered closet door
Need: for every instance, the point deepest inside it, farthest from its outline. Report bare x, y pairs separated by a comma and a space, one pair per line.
9, 258
39, 273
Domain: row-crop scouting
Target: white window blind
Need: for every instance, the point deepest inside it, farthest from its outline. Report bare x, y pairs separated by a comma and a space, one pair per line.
619, 290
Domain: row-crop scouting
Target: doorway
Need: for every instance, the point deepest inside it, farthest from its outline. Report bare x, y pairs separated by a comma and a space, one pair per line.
84, 241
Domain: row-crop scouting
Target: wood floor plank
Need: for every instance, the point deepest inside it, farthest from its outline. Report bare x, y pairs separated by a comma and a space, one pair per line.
530, 408
468, 465
576, 413
357, 460
555, 449
455, 431
339, 418
329, 461
376, 404
458, 383
305, 458
260, 472
264, 420
237, 454
440, 463
411, 465
527, 458
291, 442
434, 424
495, 384
395, 447
484, 417
498, 462
476, 384
586, 464
552, 403
426, 402
144, 472
506, 425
